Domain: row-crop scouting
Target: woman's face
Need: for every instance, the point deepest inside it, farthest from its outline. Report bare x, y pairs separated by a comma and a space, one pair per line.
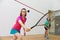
49, 19
23, 12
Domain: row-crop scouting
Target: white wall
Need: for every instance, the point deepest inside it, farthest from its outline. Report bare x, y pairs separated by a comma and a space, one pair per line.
10, 9
56, 5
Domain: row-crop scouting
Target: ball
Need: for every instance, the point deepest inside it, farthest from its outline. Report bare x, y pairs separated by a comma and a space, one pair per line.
28, 11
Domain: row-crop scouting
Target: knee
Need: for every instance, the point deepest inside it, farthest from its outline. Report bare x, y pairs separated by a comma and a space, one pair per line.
14, 37
19, 36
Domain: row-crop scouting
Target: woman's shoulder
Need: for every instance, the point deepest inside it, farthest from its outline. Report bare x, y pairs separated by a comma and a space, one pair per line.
18, 17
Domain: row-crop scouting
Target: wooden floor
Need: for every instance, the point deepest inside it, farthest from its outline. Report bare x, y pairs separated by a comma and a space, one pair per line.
32, 37
54, 37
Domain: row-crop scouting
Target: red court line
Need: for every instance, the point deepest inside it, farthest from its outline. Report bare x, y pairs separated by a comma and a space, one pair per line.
28, 6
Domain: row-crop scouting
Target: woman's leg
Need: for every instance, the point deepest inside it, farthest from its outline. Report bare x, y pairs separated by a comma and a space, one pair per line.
14, 37
18, 36
46, 32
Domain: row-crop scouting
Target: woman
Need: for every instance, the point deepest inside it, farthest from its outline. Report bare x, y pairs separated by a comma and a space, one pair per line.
20, 22
47, 26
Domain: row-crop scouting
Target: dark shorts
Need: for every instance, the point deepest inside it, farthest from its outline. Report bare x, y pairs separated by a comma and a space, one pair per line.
46, 28
14, 31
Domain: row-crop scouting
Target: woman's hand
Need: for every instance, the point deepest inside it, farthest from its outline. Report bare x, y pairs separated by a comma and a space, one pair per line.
27, 29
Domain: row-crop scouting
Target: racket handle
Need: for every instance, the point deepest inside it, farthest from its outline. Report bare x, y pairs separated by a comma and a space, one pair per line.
32, 27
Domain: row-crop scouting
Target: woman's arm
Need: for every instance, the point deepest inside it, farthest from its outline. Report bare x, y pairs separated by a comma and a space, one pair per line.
24, 32
21, 23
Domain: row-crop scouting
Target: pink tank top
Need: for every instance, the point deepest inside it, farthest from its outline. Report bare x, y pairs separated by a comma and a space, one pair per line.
17, 26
